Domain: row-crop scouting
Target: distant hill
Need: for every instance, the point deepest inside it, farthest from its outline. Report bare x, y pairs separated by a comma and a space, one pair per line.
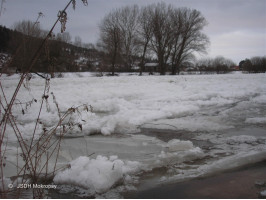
57, 56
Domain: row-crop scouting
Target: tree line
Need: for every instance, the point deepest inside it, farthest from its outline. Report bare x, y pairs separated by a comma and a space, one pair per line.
255, 64
218, 65
59, 55
169, 34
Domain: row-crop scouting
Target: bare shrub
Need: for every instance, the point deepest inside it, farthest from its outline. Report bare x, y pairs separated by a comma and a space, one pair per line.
38, 151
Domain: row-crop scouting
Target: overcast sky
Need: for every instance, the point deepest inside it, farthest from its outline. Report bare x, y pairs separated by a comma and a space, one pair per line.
237, 28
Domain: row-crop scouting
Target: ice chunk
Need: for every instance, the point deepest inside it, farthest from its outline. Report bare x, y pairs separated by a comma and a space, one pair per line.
260, 183
178, 145
98, 174
256, 120
242, 139
263, 194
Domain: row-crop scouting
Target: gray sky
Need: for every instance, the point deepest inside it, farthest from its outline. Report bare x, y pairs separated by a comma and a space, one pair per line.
237, 28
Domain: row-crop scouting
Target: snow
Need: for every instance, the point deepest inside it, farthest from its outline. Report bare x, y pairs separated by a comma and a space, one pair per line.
177, 145
242, 139
127, 103
256, 120
230, 162
98, 174
4, 58
226, 113
263, 193
4, 183
107, 170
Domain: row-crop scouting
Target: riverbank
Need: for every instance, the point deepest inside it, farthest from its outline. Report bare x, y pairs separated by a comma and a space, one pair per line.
245, 183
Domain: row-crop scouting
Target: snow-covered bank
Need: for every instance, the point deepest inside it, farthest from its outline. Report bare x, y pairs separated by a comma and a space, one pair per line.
208, 107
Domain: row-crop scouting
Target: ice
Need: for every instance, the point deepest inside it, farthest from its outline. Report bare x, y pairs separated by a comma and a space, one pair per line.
260, 183
4, 183
99, 174
221, 165
177, 145
260, 99
8, 184
256, 120
263, 193
230, 162
222, 115
242, 139
201, 123
105, 171
194, 103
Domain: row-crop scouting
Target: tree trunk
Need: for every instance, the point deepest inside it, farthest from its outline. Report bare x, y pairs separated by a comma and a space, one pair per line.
113, 63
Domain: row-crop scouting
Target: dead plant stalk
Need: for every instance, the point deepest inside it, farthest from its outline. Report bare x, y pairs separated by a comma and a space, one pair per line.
33, 153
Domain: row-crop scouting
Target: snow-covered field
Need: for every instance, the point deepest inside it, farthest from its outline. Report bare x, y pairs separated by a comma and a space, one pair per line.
219, 122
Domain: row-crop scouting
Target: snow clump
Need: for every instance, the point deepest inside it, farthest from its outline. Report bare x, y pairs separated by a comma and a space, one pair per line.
98, 175
242, 139
178, 145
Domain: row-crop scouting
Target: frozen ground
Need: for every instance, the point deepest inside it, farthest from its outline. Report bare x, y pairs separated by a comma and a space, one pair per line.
207, 123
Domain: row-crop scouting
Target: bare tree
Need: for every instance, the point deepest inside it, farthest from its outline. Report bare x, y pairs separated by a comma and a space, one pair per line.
119, 34
247, 66
110, 38
187, 35
78, 41
258, 64
26, 43
64, 37
88, 46
161, 42
2, 7
172, 34
218, 64
205, 64
144, 34
128, 24
28, 28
